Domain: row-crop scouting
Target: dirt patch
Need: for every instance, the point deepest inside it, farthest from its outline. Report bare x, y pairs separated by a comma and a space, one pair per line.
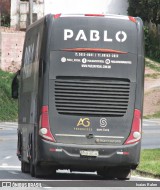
149, 71
152, 92
152, 102
151, 83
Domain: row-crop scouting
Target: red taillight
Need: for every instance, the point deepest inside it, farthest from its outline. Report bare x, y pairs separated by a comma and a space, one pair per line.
44, 130
135, 134
57, 16
94, 15
132, 19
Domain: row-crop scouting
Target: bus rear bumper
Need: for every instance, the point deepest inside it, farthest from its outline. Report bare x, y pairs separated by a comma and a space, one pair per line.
68, 156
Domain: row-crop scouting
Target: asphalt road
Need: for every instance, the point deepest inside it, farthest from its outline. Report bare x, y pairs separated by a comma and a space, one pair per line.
10, 165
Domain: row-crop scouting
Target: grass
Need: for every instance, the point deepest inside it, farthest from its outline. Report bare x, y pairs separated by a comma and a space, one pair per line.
154, 75
152, 64
150, 161
155, 115
8, 106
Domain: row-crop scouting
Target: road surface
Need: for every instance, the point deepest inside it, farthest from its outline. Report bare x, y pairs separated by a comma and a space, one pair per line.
10, 165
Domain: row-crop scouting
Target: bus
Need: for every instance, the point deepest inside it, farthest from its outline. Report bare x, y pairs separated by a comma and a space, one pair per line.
80, 95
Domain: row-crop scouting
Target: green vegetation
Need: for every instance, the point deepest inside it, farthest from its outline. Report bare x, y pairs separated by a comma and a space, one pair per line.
8, 106
152, 64
151, 17
155, 115
153, 76
150, 162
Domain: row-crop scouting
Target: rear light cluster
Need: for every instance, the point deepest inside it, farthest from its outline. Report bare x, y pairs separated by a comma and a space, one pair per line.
44, 130
57, 16
135, 134
132, 19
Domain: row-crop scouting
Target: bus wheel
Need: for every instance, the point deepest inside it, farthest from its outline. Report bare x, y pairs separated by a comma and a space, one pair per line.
32, 172
35, 170
25, 167
124, 174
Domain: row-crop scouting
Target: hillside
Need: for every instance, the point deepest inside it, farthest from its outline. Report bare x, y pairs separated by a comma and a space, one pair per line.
8, 106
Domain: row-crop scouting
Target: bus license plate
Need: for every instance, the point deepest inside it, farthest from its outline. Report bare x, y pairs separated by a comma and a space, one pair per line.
89, 153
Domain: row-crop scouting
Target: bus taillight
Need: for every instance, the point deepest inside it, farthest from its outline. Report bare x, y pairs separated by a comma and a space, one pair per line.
44, 130
135, 134
132, 19
57, 15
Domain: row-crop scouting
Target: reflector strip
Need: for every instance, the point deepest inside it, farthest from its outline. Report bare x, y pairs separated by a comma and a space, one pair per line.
123, 153
94, 50
55, 150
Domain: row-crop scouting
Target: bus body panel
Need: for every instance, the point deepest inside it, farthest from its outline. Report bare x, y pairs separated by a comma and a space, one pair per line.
91, 95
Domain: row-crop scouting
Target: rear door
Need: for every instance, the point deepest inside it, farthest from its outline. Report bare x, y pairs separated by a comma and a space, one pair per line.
92, 80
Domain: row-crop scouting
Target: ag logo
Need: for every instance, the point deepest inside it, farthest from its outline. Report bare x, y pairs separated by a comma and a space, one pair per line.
85, 122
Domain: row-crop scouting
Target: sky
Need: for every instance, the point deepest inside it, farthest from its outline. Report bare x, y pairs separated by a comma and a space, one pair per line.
77, 6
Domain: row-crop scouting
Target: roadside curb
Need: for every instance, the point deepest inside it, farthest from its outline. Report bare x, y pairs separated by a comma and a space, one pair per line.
147, 174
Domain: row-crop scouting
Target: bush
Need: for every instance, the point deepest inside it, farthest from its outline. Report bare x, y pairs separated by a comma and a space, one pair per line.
8, 106
152, 45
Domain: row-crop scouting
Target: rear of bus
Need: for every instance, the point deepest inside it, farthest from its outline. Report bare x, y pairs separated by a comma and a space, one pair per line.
91, 118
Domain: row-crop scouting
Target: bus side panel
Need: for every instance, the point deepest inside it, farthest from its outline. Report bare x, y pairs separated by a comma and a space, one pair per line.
29, 89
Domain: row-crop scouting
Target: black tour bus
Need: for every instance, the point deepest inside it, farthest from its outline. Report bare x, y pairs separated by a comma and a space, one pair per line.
80, 94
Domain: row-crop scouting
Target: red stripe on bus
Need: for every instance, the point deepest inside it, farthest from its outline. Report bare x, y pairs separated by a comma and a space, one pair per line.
94, 50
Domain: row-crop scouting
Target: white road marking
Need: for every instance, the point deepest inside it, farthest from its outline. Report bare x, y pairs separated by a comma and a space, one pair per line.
150, 121
13, 172
8, 157
7, 166
146, 125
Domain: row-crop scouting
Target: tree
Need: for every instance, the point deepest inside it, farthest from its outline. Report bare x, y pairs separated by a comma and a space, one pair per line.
148, 10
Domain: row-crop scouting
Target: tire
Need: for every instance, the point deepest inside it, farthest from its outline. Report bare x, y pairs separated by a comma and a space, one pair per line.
36, 170
124, 174
32, 172
25, 167
31, 160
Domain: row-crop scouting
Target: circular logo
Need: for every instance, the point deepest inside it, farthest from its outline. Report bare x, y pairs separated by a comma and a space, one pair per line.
84, 60
63, 59
103, 122
121, 36
107, 61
